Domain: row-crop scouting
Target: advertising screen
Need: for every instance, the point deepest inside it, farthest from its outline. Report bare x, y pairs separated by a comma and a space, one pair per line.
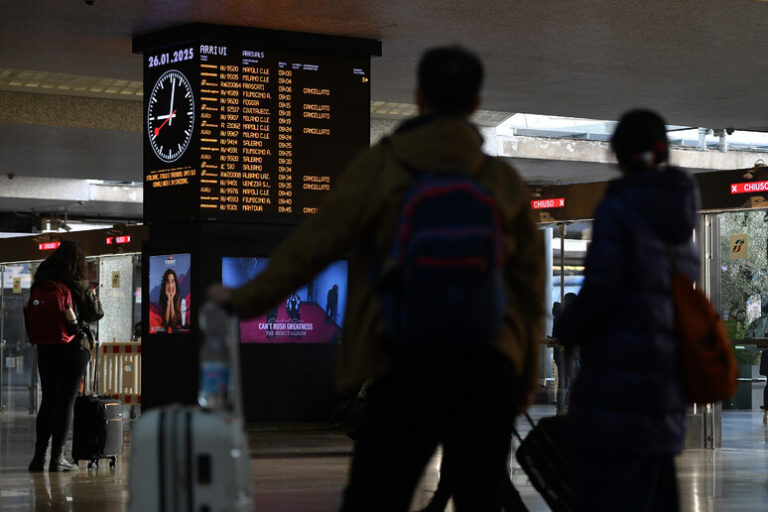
169, 293
312, 314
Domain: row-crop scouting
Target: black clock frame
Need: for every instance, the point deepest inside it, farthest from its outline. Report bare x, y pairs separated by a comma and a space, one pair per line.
182, 134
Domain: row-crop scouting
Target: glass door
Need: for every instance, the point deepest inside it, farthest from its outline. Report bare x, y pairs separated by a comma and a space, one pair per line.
739, 290
566, 249
17, 377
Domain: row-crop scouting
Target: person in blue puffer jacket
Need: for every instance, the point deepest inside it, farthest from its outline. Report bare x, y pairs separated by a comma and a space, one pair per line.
627, 420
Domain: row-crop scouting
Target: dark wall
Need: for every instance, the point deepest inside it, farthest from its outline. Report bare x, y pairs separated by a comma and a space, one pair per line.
290, 382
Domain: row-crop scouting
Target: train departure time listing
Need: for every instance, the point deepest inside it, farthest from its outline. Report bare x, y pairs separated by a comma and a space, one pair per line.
273, 128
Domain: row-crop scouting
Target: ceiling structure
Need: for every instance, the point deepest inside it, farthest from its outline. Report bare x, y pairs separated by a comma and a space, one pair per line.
70, 87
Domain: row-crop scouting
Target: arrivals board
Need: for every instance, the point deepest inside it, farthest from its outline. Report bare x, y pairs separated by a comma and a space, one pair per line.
243, 133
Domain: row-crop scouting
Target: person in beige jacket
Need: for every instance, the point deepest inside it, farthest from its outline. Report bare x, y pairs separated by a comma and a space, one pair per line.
465, 403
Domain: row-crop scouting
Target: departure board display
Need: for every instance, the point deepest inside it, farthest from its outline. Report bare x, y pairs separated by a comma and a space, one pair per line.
248, 134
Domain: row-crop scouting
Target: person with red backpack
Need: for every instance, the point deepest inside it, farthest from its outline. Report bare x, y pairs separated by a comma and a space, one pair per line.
61, 304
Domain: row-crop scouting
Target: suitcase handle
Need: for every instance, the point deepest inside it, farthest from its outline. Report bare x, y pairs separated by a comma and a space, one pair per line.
95, 381
548, 440
530, 421
95, 386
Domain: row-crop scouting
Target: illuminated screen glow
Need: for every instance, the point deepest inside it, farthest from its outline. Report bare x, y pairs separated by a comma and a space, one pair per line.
749, 187
248, 133
170, 298
312, 314
543, 204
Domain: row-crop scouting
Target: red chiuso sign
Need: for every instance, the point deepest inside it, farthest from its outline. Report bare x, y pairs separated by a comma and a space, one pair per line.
118, 239
47, 246
542, 204
750, 187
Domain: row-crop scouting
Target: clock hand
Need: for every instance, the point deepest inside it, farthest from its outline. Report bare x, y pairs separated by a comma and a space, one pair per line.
170, 116
173, 90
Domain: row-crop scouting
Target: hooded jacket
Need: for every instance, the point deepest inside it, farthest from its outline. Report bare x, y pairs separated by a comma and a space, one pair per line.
359, 217
629, 395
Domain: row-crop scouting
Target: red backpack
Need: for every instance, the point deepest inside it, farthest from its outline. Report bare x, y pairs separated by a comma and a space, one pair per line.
46, 316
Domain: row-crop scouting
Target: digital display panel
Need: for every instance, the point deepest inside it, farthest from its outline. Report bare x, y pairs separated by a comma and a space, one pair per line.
245, 133
312, 314
170, 295
543, 204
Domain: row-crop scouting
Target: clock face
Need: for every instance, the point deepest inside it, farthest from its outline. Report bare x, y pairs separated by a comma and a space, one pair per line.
170, 116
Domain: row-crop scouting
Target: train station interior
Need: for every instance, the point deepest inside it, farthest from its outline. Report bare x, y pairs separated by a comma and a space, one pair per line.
80, 159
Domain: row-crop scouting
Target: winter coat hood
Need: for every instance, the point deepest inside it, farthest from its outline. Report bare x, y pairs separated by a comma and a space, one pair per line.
438, 142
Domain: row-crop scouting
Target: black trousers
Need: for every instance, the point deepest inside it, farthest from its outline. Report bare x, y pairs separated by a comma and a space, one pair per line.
512, 501
465, 402
632, 483
61, 368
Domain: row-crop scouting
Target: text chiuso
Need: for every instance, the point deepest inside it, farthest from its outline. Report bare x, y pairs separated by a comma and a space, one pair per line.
749, 187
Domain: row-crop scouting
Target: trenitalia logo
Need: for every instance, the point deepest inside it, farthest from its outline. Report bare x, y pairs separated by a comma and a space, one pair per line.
749, 187
541, 204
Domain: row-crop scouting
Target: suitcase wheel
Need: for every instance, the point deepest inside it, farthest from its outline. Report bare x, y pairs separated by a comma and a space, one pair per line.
112, 462
93, 464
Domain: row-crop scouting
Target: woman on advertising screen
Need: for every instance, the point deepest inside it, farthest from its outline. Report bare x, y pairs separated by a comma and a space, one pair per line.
170, 305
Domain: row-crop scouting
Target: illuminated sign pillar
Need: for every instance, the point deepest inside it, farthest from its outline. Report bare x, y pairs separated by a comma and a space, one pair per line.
245, 132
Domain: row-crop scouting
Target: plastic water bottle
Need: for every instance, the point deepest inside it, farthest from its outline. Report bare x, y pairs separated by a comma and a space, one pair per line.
71, 317
215, 359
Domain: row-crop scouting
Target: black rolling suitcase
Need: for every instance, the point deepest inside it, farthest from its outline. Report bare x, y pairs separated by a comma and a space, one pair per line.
546, 459
98, 426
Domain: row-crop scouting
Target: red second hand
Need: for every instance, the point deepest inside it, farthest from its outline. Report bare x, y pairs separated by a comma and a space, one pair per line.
157, 130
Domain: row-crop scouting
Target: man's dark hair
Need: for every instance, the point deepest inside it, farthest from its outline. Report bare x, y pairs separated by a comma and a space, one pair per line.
640, 140
449, 79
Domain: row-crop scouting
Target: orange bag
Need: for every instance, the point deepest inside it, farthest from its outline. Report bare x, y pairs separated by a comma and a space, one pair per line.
709, 366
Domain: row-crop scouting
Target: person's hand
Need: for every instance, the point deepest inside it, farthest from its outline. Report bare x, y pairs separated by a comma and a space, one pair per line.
220, 295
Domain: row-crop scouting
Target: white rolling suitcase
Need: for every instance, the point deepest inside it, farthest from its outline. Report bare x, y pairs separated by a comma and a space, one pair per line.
188, 459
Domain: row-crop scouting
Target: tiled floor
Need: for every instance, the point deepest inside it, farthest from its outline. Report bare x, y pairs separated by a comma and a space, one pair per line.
299, 469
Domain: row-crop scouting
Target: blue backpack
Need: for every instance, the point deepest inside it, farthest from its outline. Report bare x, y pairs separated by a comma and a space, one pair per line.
442, 285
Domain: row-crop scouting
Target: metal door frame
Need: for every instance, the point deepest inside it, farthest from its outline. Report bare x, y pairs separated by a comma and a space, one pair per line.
2, 336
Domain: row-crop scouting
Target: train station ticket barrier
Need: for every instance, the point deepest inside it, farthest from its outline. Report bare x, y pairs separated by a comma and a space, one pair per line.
118, 373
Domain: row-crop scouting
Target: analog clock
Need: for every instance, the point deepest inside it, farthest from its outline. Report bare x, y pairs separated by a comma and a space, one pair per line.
170, 116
